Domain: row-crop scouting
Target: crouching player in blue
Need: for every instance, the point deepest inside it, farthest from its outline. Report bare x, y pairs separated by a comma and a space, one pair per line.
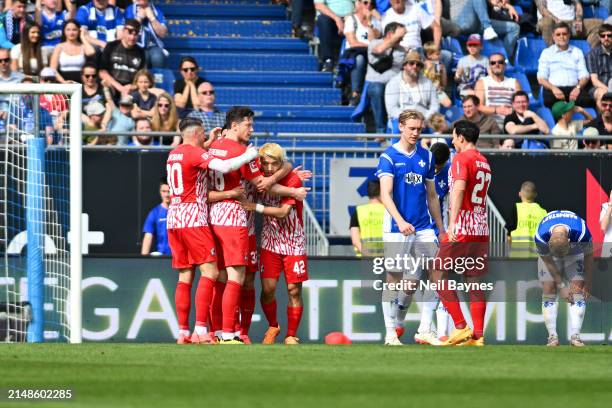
565, 264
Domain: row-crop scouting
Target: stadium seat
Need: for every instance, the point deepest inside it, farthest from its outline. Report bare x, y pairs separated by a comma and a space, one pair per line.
452, 44
528, 53
232, 61
393, 126
270, 78
309, 127
526, 86
547, 115
164, 79
275, 95
580, 116
595, 12
364, 102
582, 44
452, 114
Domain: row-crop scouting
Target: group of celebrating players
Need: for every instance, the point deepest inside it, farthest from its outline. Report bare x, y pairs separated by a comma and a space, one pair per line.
217, 183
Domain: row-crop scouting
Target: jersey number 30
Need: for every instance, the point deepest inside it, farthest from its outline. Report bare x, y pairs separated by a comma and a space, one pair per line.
175, 178
482, 183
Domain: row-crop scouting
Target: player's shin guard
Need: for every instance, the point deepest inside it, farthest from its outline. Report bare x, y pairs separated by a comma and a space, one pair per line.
247, 307
216, 308
203, 298
451, 302
442, 320
231, 298
269, 310
294, 315
478, 308
550, 308
182, 301
428, 307
576, 314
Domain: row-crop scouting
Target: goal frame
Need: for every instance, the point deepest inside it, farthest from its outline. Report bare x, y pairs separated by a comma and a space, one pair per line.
74, 91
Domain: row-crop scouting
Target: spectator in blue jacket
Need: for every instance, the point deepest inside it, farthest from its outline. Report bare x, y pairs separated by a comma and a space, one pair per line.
104, 22
153, 29
155, 225
11, 23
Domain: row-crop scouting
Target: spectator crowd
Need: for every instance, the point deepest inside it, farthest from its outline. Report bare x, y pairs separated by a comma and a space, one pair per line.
396, 56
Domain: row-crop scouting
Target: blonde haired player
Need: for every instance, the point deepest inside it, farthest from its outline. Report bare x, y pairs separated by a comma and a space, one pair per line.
283, 247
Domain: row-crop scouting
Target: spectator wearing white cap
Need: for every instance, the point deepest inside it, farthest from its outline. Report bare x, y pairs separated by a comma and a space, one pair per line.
93, 118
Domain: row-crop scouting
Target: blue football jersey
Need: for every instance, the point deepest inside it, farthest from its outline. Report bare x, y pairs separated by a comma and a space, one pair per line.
156, 224
409, 172
51, 29
579, 234
442, 189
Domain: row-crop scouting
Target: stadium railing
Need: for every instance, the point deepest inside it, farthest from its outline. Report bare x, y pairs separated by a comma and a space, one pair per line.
316, 242
498, 234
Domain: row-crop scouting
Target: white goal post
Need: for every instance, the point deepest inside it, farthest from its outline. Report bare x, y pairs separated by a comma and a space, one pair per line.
41, 190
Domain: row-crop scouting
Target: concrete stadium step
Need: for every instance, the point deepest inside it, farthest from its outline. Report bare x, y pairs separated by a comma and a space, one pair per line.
268, 96
250, 45
301, 113
224, 11
218, 61
195, 27
214, 2
311, 127
273, 78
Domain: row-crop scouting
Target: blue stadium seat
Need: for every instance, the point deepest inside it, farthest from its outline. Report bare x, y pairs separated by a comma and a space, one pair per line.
232, 61
164, 79
223, 11
393, 126
452, 44
228, 28
364, 102
528, 53
452, 114
526, 86
276, 95
249, 45
279, 78
300, 113
580, 116
582, 44
309, 127
547, 116
496, 46
595, 12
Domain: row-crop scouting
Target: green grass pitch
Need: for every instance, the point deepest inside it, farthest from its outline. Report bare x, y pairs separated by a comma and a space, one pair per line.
166, 375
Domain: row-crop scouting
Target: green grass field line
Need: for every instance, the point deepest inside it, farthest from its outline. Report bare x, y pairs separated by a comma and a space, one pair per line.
166, 375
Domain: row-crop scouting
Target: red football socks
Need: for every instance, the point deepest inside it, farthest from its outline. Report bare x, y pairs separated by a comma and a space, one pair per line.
478, 308
247, 307
203, 297
269, 310
451, 303
216, 311
231, 298
294, 315
182, 301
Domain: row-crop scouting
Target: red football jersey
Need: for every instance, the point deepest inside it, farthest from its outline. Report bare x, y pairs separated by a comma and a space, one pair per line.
472, 167
229, 212
284, 236
186, 173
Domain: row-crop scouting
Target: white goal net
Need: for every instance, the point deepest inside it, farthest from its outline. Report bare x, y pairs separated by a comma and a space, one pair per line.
40, 213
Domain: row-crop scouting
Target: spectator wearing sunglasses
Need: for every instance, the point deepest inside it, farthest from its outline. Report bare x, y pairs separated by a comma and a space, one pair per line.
92, 90
121, 59
153, 30
210, 116
165, 119
496, 89
186, 88
562, 71
599, 64
7, 76
603, 121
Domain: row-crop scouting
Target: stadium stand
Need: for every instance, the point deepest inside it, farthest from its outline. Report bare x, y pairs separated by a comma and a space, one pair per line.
246, 51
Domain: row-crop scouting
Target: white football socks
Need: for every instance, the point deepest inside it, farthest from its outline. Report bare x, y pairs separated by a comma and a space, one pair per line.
184, 332
550, 308
403, 304
199, 330
389, 308
576, 314
428, 307
442, 318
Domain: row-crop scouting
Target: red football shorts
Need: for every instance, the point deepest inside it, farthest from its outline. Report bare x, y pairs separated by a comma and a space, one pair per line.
232, 245
294, 266
252, 266
191, 247
468, 255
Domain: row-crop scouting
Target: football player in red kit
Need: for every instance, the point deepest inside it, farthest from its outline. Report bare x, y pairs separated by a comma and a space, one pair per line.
467, 233
283, 247
189, 235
